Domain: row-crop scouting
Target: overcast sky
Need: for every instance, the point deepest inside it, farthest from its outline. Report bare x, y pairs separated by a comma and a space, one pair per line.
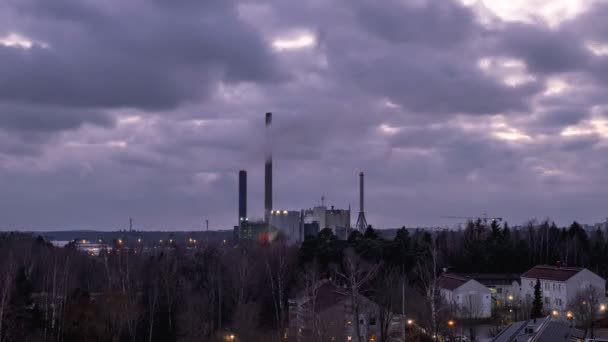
111, 109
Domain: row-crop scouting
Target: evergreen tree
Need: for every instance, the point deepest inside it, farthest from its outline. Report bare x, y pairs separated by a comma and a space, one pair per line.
370, 233
537, 303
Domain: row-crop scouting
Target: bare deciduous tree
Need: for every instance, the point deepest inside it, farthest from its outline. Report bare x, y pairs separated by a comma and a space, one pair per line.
427, 273
354, 273
585, 308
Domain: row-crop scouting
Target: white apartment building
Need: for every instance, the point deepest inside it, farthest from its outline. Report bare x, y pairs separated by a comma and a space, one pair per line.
561, 285
504, 287
467, 297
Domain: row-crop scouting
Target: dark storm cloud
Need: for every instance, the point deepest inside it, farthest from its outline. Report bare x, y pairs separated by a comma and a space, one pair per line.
430, 69
544, 50
442, 23
136, 54
148, 109
48, 119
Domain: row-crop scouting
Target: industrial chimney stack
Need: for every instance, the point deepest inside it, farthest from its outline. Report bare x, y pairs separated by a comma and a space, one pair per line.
361, 221
268, 170
242, 196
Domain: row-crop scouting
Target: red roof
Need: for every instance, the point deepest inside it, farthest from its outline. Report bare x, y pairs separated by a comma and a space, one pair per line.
450, 281
551, 272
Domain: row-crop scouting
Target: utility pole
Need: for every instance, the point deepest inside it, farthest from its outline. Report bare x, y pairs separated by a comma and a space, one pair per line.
403, 302
207, 224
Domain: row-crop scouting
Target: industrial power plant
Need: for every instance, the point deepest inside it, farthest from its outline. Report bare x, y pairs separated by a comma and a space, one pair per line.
291, 225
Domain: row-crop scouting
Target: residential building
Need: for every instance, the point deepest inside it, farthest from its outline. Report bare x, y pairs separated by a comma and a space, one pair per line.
323, 312
561, 285
466, 297
539, 330
504, 287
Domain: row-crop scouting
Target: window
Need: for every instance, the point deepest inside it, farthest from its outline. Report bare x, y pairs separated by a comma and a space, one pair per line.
531, 285
560, 287
547, 300
499, 290
554, 287
372, 320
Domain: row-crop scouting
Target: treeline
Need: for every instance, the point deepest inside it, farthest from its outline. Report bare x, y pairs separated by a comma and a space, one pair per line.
481, 247
215, 291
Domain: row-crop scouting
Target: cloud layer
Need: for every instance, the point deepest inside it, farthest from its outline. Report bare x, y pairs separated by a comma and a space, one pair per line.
111, 110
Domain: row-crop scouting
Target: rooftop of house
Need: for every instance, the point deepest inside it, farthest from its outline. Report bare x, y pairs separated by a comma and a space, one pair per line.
492, 279
450, 281
538, 330
548, 272
326, 294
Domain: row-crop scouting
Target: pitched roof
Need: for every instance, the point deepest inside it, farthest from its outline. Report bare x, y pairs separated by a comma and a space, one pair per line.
551, 272
491, 279
327, 295
450, 281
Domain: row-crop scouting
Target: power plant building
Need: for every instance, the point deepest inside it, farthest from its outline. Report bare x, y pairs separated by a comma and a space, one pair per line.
335, 219
293, 225
288, 222
310, 229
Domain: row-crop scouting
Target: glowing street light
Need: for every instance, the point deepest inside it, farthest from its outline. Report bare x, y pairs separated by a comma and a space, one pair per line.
410, 322
120, 241
510, 298
602, 307
451, 323
555, 313
569, 315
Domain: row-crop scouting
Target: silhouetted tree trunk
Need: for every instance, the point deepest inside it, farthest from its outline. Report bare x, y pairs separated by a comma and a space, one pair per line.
6, 281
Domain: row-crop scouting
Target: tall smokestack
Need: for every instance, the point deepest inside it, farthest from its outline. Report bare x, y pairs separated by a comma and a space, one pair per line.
242, 196
361, 221
268, 170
